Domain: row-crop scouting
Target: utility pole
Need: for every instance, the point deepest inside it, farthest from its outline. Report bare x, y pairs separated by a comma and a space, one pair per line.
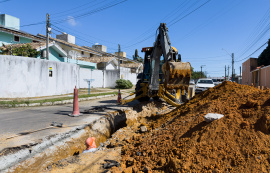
229, 72
225, 72
240, 72
240, 78
119, 50
232, 65
48, 30
201, 69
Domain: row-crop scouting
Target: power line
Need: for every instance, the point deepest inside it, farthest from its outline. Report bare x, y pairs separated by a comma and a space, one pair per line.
253, 52
174, 21
190, 12
84, 34
259, 31
80, 38
260, 36
184, 11
77, 37
32, 24
107, 6
210, 20
152, 28
69, 10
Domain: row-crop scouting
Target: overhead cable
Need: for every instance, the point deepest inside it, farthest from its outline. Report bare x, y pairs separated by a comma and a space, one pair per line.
252, 52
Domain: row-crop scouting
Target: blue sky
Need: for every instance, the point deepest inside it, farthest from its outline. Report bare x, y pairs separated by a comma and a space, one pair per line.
205, 32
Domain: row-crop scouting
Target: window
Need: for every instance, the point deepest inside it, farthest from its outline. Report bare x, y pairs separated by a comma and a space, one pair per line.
206, 81
16, 38
82, 53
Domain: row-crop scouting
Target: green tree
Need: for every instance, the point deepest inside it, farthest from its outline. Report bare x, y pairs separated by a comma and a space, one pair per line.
136, 56
264, 57
24, 50
136, 53
196, 74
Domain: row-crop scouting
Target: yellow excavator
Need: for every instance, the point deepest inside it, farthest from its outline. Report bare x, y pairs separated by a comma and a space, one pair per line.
164, 75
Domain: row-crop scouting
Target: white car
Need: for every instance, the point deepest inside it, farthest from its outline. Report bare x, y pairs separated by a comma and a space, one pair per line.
203, 84
215, 82
191, 82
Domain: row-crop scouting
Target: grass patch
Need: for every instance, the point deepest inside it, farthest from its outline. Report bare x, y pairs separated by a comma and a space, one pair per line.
16, 102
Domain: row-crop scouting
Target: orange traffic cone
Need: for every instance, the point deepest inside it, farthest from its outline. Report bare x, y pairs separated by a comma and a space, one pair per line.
119, 96
76, 111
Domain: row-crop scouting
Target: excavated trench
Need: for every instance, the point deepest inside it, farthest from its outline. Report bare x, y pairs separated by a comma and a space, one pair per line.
37, 157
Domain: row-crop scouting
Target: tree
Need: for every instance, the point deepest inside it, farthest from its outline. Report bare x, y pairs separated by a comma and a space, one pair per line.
24, 50
136, 56
196, 74
136, 53
264, 57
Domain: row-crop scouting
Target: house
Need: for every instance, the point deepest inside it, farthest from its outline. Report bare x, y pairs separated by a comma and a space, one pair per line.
111, 63
247, 67
254, 75
74, 51
133, 67
10, 32
103, 63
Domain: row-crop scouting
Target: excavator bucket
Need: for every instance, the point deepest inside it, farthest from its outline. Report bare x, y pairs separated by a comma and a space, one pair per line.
177, 75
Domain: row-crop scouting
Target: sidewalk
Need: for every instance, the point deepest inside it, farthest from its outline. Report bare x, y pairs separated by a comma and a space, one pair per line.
61, 99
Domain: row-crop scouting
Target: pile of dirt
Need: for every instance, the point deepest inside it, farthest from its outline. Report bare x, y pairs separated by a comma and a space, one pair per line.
181, 141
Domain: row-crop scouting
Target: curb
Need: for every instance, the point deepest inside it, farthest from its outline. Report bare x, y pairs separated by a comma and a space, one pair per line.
56, 102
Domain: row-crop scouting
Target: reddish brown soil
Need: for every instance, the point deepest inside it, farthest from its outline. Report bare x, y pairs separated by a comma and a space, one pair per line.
239, 142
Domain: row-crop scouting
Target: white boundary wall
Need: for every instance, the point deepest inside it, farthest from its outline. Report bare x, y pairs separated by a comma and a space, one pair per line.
105, 78
97, 75
22, 77
29, 77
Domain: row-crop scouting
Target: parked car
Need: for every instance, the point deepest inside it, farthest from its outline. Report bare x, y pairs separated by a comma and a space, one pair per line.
203, 84
215, 82
192, 82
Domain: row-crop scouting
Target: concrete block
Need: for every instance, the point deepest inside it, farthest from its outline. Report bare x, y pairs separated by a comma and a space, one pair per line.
34, 104
57, 103
21, 105
212, 116
47, 104
67, 101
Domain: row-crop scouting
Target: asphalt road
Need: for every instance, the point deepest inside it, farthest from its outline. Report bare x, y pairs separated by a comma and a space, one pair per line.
18, 120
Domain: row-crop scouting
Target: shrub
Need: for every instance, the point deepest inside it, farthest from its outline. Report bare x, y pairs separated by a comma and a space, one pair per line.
123, 84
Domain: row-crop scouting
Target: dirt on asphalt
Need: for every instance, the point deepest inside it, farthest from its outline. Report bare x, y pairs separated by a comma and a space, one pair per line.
182, 141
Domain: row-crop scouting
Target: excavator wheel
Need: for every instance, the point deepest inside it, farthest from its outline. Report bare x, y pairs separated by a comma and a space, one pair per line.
137, 88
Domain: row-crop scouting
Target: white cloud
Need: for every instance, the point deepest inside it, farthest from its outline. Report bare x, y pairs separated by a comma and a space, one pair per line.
71, 21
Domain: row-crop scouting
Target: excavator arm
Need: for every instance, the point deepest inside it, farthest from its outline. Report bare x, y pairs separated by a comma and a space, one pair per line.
162, 46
